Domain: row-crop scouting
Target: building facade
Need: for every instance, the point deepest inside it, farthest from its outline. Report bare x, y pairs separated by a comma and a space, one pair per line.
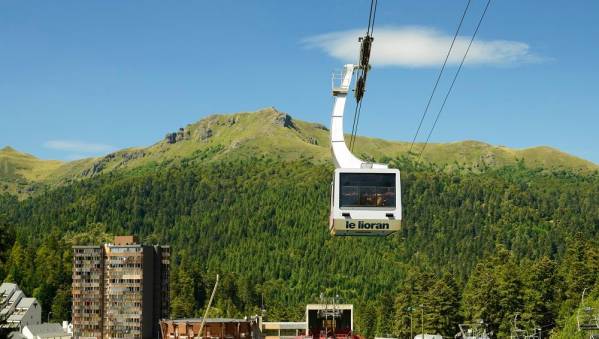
216, 328
87, 290
120, 290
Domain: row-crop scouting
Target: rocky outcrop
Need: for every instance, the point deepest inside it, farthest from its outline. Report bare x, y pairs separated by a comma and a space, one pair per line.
96, 168
122, 157
181, 134
312, 140
284, 120
170, 138
205, 133
132, 155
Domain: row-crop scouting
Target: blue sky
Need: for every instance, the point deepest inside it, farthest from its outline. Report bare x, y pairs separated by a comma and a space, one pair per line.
82, 78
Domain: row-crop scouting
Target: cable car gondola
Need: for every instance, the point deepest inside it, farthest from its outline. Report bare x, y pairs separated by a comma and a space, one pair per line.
365, 197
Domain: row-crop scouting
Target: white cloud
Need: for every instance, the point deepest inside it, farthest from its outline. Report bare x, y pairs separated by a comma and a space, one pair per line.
416, 46
77, 146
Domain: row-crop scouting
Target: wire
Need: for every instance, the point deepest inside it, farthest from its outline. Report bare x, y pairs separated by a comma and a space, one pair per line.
370, 16
353, 129
455, 35
373, 16
353, 139
362, 72
454, 79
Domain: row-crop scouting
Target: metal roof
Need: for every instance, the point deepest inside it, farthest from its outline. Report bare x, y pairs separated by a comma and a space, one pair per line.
17, 296
26, 302
47, 330
8, 288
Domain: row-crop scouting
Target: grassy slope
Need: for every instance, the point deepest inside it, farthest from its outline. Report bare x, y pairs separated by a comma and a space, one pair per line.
267, 131
15, 165
19, 170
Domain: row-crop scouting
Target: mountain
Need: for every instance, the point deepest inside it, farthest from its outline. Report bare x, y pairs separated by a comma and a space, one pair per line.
265, 132
246, 196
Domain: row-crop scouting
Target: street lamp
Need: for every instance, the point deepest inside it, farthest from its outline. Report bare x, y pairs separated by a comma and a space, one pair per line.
422, 320
411, 309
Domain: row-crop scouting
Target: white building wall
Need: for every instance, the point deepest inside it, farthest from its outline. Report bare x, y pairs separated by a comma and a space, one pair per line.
27, 333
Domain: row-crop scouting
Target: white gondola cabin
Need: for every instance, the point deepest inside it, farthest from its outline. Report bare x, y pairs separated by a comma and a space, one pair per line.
365, 197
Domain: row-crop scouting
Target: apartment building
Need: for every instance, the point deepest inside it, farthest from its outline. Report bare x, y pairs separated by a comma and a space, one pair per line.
120, 290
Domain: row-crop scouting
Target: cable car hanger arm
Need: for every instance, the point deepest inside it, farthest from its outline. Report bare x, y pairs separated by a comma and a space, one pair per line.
342, 156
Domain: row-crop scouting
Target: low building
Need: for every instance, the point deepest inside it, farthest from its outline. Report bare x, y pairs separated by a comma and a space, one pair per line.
10, 295
283, 329
45, 331
221, 328
16, 309
27, 312
329, 319
321, 321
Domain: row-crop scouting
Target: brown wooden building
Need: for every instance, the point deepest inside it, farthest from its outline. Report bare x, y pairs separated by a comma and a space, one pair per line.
221, 328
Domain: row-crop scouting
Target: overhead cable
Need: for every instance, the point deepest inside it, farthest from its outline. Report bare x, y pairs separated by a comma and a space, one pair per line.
455, 35
454, 79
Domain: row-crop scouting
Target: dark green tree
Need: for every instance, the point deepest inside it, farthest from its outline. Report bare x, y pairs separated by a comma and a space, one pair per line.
444, 301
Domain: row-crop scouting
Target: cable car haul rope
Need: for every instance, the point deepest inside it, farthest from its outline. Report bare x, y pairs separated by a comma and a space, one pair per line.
362, 70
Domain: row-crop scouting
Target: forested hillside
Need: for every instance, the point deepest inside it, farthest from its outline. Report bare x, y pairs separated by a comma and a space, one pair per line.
475, 244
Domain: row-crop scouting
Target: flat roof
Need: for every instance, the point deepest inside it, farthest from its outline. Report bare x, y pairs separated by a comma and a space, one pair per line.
208, 320
329, 306
284, 325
